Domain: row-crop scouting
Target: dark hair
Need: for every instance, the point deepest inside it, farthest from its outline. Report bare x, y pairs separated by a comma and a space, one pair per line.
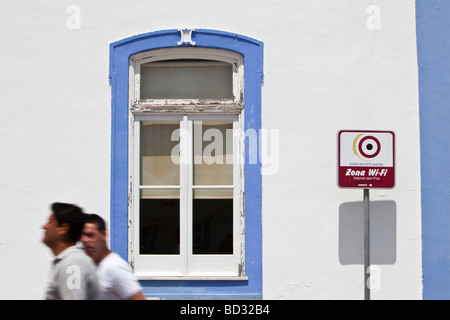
96, 219
73, 216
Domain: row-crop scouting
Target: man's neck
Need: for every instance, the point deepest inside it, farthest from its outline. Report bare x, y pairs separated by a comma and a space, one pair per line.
60, 247
102, 256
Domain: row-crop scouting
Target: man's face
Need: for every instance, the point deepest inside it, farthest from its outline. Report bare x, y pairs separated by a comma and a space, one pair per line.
52, 231
93, 240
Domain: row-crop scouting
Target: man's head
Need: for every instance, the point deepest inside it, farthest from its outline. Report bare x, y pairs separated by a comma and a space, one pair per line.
94, 237
64, 225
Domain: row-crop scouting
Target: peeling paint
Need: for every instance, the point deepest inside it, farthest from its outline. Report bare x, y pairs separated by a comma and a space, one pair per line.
190, 108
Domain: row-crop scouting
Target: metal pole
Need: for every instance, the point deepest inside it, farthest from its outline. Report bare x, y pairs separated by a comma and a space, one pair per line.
366, 244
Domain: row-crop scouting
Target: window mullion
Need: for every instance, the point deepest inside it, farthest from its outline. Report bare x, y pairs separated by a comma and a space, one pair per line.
190, 176
185, 191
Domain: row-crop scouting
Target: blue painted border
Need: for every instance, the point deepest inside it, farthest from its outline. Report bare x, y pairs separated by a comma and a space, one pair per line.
252, 51
433, 48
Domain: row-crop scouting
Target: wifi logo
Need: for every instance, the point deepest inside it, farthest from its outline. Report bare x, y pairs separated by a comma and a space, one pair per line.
366, 147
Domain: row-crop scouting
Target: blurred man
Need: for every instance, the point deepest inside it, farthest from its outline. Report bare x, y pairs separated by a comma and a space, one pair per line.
73, 275
116, 279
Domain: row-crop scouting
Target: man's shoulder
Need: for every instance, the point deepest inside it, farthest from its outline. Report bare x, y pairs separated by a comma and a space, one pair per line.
75, 256
114, 259
113, 265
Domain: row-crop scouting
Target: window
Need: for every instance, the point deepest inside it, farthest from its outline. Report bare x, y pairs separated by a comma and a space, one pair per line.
185, 168
170, 162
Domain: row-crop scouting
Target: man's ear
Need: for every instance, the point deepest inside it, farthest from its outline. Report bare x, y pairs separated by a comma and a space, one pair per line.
63, 228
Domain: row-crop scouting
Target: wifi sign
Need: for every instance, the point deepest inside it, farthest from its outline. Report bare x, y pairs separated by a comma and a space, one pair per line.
366, 159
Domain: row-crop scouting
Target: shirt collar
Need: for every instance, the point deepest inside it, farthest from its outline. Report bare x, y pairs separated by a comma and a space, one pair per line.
65, 253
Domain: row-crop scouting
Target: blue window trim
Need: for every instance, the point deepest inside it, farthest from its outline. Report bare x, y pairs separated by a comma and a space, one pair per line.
252, 51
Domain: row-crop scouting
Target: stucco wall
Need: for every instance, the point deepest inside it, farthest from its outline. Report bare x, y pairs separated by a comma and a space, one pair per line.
331, 72
328, 66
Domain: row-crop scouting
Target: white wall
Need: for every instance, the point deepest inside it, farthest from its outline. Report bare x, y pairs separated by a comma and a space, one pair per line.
325, 70
330, 72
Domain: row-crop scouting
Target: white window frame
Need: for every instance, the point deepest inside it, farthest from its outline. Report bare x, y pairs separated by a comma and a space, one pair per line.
187, 265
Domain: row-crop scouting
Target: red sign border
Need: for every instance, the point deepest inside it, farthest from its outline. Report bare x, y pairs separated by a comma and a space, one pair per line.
339, 159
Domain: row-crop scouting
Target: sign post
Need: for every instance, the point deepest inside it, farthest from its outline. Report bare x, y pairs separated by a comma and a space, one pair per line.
366, 244
366, 160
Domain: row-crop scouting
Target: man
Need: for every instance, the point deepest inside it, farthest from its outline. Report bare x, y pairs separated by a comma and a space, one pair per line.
73, 275
116, 280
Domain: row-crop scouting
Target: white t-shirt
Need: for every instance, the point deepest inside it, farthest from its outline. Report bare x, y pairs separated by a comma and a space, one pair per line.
116, 279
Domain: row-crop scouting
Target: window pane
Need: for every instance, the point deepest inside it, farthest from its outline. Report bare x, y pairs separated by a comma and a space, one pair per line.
159, 226
160, 153
213, 152
212, 226
186, 79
